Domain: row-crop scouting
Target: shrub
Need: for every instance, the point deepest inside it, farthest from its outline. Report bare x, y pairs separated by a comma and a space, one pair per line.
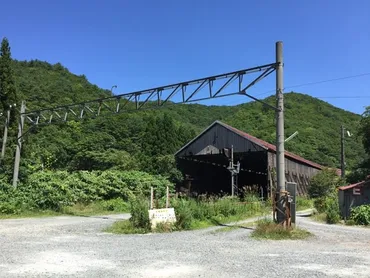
184, 213
139, 213
114, 205
58, 189
332, 210
361, 215
319, 204
324, 183
303, 203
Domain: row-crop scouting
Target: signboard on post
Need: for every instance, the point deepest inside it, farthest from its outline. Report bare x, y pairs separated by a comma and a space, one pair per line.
166, 215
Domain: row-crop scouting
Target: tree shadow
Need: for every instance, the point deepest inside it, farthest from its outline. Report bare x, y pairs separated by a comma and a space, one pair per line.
217, 223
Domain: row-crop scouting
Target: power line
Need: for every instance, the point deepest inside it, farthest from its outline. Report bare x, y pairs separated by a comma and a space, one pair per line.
342, 97
322, 81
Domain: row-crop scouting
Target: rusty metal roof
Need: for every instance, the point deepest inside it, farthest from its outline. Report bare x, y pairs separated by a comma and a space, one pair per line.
361, 183
259, 142
272, 147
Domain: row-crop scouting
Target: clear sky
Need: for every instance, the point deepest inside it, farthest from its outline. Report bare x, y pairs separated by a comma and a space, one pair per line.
142, 44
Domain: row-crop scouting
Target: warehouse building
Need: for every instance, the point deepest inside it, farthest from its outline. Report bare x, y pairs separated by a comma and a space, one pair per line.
205, 161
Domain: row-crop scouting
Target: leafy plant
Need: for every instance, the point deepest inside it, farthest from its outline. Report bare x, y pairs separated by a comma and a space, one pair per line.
139, 219
361, 215
324, 183
332, 210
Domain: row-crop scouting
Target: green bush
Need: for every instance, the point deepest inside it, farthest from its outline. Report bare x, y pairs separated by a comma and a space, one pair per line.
184, 213
139, 207
55, 190
361, 215
319, 204
303, 203
324, 183
114, 205
332, 210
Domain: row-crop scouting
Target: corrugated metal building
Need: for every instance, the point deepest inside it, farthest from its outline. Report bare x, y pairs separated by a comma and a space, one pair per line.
204, 160
353, 195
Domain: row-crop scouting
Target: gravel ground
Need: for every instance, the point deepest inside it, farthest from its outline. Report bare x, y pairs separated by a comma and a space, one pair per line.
76, 247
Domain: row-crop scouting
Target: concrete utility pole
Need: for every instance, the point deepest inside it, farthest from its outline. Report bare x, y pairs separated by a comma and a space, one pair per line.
19, 145
280, 158
232, 173
342, 157
5, 136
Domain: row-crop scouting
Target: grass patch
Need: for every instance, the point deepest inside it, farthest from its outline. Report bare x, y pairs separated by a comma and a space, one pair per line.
319, 217
97, 208
124, 227
30, 214
193, 214
267, 229
303, 203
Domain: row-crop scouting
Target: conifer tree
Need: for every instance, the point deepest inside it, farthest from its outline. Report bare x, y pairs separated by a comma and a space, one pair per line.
7, 85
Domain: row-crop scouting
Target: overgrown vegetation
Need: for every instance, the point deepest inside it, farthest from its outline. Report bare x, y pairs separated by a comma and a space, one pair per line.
268, 229
97, 207
303, 203
191, 214
62, 191
361, 215
323, 188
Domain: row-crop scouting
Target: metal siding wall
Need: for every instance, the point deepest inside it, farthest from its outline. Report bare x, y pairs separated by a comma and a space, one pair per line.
220, 137
295, 172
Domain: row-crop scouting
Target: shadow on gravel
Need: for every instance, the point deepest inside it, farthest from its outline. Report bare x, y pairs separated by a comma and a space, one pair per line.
230, 225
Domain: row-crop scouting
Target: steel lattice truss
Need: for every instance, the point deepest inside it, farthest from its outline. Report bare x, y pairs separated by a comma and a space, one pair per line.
184, 92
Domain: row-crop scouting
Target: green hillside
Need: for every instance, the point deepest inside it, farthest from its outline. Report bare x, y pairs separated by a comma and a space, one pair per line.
127, 141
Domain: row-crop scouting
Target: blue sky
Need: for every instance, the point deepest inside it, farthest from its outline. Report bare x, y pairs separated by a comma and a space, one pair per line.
142, 44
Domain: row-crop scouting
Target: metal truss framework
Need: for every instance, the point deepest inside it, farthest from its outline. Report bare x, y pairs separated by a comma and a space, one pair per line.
152, 98
185, 92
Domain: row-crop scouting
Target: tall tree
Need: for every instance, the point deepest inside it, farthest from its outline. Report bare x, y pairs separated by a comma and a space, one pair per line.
7, 85
363, 168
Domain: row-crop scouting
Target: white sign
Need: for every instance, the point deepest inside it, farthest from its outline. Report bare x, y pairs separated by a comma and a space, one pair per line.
356, 191
162, 216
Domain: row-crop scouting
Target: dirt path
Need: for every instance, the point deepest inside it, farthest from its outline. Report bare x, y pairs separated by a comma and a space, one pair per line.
76, 247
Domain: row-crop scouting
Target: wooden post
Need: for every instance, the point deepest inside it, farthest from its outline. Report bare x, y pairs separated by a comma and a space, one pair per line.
167, 197
151, 197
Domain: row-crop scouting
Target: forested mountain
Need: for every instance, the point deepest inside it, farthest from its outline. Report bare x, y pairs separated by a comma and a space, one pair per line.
144, 140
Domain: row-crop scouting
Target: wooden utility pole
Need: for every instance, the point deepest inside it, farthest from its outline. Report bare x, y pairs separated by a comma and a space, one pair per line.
342, 156
5, 136
19, 145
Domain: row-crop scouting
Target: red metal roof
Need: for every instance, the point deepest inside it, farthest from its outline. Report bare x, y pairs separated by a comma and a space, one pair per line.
272, 147
361, 183
350, 186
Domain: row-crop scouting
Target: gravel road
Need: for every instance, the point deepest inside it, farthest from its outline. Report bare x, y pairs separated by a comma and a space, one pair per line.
77, 247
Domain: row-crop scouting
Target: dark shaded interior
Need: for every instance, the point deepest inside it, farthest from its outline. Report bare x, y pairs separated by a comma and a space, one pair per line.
208, 174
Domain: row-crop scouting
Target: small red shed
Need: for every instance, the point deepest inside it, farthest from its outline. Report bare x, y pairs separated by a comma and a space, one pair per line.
354, 195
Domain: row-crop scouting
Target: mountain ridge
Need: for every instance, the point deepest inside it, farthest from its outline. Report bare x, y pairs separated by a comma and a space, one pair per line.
318, 122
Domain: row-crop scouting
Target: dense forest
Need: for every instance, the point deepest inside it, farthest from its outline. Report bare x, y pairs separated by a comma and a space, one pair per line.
145, 140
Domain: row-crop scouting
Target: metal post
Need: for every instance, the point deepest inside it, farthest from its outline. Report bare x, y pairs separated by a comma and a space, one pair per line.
232, 170
280, 158
342, 157
5, 136
19, 145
